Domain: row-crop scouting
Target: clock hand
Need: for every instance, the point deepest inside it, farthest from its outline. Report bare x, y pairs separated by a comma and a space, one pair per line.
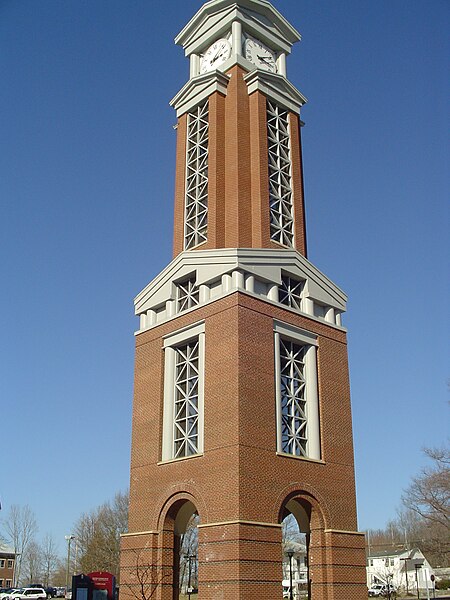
265, 59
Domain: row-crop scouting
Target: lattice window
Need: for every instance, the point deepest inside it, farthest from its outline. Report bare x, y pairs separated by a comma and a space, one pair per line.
293, 398
187, 294
290, 291
196, 211
280, 178
186, 413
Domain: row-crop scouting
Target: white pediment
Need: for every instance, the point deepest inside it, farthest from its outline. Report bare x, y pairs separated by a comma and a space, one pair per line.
257, 17
275, 87
249, 270
198, 89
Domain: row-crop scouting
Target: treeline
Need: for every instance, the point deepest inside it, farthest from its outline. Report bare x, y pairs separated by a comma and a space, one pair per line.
424, 519
95, 547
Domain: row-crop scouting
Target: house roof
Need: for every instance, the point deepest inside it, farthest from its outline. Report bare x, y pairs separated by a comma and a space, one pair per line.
392, 553
4, 549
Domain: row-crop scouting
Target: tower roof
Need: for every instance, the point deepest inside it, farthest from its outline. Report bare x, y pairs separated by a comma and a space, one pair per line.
258, 17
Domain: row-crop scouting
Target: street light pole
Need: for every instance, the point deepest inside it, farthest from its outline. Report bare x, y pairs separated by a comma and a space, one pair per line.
406, 574
290, 553
190, 557
69, 539
417, 567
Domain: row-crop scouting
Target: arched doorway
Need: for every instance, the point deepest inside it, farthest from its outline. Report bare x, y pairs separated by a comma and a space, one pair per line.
188, 559
180, 540
296, 537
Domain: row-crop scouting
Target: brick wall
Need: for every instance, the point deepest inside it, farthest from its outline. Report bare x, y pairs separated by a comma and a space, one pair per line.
238, 192
240, 478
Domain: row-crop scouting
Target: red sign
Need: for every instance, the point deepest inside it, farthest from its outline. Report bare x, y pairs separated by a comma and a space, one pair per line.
104, 584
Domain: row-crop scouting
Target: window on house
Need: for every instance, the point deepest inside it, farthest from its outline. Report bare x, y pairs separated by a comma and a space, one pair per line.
8, 583
280, 178
183, 393
10, 563
2, 563
296, 392
290, 292
1, 583
196, 201
187, 294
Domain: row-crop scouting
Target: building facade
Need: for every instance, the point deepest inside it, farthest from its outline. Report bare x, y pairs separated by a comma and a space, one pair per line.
407, 570
241, 409
7, 565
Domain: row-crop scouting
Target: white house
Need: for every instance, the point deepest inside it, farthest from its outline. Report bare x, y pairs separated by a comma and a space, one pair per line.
298, 564
405, 569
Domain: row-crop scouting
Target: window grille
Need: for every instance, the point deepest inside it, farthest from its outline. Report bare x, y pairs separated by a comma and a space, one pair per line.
187, 294
280, 179
196, 211
293, 398
186, 413
289, 293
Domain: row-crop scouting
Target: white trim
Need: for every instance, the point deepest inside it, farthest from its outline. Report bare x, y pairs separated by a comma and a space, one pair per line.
318, 461
257, 17
240, 522
295, 333
139, 533
198, 89
184, 334
214, 270
277, 88
289, 332
344, 532
171, 342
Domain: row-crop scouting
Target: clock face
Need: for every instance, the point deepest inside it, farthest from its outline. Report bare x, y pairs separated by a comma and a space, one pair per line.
216, 54
260, 55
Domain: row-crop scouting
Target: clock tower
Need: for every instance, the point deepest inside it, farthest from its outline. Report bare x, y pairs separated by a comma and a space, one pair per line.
241, 412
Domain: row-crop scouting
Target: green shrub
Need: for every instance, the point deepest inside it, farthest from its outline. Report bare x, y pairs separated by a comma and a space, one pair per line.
443, 584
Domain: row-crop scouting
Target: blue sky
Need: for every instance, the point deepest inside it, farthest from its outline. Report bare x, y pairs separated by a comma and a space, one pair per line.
86, 199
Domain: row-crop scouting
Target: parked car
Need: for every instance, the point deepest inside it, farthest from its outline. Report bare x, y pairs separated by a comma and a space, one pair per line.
30, 593
60, 592
381, 590
12, 593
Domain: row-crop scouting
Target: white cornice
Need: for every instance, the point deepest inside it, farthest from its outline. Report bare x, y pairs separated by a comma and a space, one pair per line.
221, 271
198, 89
258, 17
276, 87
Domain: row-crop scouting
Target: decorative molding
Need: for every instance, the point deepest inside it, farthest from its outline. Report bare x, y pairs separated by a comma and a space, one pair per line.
199, 89
136, 533
304, 458
277, 88
239, 522
343, 532
257, 17
255, 271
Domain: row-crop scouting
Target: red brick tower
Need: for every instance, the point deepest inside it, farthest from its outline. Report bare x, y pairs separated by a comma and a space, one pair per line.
241, 405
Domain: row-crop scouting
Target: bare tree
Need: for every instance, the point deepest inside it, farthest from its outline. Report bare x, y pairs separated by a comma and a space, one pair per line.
142, 578
32, 564
429, 493
49, 557
98, 535
21, 527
